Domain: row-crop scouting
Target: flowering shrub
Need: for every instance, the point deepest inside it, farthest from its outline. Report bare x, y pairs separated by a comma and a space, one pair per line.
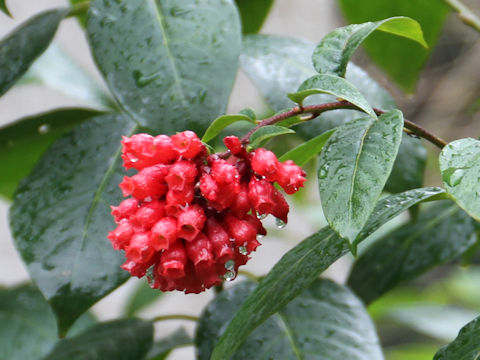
187, 217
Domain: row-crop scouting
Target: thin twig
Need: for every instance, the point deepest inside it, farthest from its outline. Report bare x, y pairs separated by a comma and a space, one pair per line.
175, 317
465, 14
249, 275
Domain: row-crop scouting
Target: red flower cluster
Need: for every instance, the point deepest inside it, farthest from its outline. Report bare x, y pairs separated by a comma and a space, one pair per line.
193, 218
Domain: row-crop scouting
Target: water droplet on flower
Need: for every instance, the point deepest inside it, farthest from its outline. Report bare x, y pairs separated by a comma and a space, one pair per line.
260, 236
230, 265
44, 129
261, 216
280, 223
133, 160
243, 250
229, 275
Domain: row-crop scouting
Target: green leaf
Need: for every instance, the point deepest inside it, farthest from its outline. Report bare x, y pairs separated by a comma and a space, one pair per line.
27, 325
221, 123
460, 167
23, 142
127, 339
60, 217
166, 61
441, 233
334, 51
308, 150
465, 347
333, 85
268, 132
27, 42
163, 347
82, 17
278, 65
253, 14
401, 58
142, 296
249, 113
353, 167
59, 71
4, 9
299, 267
409, 166
324, 319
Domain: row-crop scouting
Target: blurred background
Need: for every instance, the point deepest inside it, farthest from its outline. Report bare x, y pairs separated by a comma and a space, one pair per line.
446, 100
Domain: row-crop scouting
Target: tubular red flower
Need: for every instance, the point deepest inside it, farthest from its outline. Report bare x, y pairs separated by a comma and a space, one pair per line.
192, 219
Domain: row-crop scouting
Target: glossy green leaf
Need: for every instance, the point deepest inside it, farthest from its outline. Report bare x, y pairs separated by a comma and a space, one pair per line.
278, 65
354, 166
4, 9
460, 167
170, 64
307, 150
163, 347
27, 325
253, 14
409, 166
325, 320
60, 217
332, 85
127, 339
249, 113
25, 44
465, 347
59, 71
143, 295
221, 123
268, 132
335, 50
299, 267
23, 142
401, 58
441, 233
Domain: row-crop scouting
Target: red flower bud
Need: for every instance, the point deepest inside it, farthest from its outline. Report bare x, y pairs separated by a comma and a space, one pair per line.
173, 261
260, 194
242, 231
149, 213
290, 177
187, 144
120, 237
190, 222
139, 249
181, 174
235, 146
149, 182
265, 163
164, 233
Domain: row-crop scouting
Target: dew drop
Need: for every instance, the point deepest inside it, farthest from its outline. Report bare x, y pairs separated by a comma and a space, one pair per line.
261, 216
453, 176
44, 129
260, 236
229, 275
243, 250
133, 160
280, 223
230, 265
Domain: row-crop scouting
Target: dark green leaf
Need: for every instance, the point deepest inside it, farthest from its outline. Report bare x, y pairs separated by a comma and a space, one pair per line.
326, 321
268, 132
23, 142
460, 167
409, 166
333, 85
402, 59
128, 339
298, 268
21, 47
4, 9
162, 348
170, 64
441, 233
253, 14
27, 325
60, 217
353, 167
143, 295
59, 71
334, 51
308, 150
248, 112
221, 123
465, 347
278, 66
